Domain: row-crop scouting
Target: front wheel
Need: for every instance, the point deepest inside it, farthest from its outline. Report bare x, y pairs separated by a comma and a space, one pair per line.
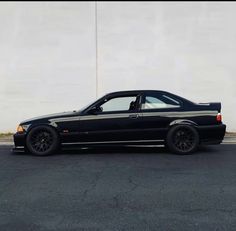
182, 139
42, 141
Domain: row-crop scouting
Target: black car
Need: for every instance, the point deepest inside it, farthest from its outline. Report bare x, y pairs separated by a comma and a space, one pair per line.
127, 117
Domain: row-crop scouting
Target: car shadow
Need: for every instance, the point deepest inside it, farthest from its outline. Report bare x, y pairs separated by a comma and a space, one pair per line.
114, 149
128, 149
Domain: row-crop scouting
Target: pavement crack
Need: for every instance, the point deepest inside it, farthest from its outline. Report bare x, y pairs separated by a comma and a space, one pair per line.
227, 210
116, 201
195, 210
135, 185
93, 185
116, 198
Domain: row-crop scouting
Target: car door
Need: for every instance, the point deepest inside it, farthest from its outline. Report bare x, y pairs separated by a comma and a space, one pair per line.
158, 110
116, 118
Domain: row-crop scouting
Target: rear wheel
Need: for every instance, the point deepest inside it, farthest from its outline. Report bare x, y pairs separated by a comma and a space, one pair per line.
182, 139
42, 141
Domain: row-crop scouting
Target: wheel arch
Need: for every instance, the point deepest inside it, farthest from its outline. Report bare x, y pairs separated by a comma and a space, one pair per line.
182, 122
179, 124
51, 148
51, 125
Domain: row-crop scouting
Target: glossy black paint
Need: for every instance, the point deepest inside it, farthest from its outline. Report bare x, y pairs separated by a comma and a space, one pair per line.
138, 126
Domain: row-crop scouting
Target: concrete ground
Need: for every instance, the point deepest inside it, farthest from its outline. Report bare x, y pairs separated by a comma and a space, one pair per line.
119, 189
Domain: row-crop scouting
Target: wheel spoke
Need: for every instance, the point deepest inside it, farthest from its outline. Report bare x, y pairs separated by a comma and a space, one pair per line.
41, 141
184, 139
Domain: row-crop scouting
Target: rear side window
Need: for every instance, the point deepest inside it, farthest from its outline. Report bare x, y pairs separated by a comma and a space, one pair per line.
159, 102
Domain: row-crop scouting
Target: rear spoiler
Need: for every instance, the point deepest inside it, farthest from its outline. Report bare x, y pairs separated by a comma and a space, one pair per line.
212, 106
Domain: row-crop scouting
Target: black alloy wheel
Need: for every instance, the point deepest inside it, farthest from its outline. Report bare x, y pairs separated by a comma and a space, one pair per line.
183, 139
42, 140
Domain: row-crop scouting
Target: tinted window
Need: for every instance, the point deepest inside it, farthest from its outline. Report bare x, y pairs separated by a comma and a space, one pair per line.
119, 104
159, 101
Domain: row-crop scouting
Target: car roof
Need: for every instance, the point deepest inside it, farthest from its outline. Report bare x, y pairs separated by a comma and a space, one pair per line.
136, 92
131, 92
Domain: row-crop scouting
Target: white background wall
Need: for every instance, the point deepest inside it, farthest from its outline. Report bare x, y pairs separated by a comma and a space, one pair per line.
48, 54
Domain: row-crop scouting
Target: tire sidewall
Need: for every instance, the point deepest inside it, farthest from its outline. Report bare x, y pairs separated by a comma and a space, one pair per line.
54, 146
171, 133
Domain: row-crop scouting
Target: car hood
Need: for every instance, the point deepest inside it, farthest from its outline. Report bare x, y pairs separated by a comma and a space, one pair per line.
51, 116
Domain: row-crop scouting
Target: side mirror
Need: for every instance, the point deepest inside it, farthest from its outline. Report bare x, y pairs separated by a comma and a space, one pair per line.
95, 110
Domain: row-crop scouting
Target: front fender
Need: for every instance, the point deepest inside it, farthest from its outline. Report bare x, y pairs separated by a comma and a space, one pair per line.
43, 123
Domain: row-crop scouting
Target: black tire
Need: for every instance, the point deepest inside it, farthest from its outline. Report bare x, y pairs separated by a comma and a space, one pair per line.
42, 140
182, 139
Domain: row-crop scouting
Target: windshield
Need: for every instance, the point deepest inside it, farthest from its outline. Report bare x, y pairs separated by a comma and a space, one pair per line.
89, 104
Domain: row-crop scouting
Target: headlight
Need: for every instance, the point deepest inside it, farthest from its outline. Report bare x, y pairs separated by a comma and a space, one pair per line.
22, 128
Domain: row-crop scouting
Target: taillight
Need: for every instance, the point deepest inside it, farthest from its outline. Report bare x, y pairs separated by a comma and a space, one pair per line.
219, 117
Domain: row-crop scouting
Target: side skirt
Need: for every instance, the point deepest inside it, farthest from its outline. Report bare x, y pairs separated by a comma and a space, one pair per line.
128, 142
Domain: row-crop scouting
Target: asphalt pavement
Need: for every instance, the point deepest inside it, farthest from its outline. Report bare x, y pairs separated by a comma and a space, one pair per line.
116, 189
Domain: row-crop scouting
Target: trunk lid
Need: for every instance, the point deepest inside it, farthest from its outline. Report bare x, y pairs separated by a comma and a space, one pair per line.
214, 106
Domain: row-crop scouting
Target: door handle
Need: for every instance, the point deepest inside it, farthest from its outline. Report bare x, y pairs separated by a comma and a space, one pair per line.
133, 116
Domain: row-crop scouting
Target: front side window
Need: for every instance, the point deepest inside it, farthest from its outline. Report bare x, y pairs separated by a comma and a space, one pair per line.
127, 103
159, 102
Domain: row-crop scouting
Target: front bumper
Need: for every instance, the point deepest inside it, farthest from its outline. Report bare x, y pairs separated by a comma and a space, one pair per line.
212, 134
19, 139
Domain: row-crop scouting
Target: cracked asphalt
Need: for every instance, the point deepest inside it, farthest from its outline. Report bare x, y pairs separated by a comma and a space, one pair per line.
119, 189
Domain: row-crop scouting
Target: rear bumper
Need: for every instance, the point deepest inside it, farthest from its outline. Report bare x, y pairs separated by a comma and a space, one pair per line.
212, 134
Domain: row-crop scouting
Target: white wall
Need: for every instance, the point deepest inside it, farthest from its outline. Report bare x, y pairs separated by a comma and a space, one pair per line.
48, 54
47, 61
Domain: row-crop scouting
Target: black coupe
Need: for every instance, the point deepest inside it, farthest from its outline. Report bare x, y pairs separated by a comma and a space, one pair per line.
125, 118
